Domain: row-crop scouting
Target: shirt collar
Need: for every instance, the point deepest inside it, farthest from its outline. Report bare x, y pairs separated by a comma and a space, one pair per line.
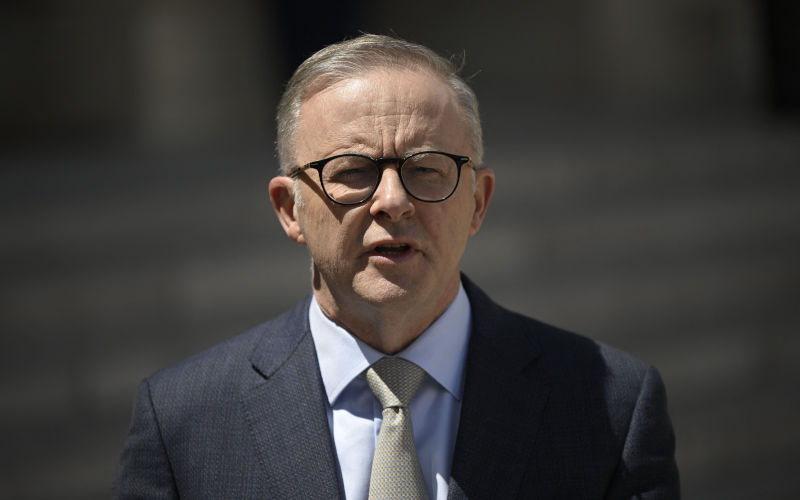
441, 349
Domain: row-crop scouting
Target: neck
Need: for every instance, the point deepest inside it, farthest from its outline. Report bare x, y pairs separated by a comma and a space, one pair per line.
386, 327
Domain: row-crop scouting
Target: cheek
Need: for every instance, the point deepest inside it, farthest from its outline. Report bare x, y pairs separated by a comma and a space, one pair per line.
328, 237
461, 227
320, 234
451, 230
459, 213
313, 226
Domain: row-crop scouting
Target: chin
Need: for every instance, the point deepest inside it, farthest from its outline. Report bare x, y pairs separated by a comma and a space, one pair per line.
380, 290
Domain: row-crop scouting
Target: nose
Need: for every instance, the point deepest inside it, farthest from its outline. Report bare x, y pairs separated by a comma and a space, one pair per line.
391, 200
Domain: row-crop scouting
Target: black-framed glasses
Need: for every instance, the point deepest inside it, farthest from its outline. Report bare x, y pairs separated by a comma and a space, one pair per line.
350, 179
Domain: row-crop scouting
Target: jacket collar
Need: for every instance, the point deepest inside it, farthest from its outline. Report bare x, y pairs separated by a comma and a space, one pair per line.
505, 393
285, 407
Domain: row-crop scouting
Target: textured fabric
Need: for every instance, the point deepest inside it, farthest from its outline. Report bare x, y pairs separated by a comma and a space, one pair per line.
546, 414
354, 414
396, 473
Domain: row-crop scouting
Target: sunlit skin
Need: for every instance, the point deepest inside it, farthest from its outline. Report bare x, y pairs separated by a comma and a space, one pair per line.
387, 268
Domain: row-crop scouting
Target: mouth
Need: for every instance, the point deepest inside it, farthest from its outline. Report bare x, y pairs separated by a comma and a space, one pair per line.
395, 249
392, 251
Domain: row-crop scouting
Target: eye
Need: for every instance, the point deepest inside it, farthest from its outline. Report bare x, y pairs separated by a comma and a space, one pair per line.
353, 171
427, 166
423, 170
349, 172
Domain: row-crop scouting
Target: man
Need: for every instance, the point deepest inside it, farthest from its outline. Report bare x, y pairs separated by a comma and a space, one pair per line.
397, 377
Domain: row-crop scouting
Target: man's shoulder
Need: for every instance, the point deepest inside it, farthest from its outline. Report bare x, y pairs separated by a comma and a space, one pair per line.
571, 349
224, 363
564, 352
575, 349
600, 379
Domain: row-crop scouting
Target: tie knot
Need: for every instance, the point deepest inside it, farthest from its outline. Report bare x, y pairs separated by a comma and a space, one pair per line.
394, 381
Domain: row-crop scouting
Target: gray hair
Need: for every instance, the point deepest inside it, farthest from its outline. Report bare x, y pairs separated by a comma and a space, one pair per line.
352, 58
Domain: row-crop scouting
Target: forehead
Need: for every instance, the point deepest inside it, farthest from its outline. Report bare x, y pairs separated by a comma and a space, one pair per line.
383, 112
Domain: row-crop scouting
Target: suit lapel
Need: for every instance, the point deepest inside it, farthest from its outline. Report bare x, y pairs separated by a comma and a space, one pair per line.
504, 395
286, 412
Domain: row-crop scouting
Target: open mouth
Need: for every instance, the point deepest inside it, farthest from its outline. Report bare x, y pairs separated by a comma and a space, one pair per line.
392, 249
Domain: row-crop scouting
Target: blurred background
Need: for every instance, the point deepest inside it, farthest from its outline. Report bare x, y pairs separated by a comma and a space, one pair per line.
648, 195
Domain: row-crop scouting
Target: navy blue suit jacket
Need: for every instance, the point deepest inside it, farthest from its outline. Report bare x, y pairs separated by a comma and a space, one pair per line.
545, 414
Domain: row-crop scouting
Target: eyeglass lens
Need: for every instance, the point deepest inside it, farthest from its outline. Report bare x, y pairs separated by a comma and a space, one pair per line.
426, 176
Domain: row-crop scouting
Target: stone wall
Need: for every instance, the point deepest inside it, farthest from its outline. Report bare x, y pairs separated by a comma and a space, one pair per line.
647, 197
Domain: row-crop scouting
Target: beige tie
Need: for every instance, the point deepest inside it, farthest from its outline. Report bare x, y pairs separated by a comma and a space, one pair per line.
396, 473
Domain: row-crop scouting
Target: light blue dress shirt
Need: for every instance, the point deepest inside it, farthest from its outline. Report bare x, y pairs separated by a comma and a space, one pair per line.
354, 414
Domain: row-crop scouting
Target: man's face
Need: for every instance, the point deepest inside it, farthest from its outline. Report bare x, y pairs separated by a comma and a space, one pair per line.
392, 250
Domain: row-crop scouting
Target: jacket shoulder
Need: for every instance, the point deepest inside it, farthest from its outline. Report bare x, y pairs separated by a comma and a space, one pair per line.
568, 360
228, 363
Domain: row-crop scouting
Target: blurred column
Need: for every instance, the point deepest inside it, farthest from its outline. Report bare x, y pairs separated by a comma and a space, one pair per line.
694, 56
206, 71
782, 26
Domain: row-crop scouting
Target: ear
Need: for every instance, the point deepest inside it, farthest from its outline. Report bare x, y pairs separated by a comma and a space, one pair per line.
484, 188
281, 193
